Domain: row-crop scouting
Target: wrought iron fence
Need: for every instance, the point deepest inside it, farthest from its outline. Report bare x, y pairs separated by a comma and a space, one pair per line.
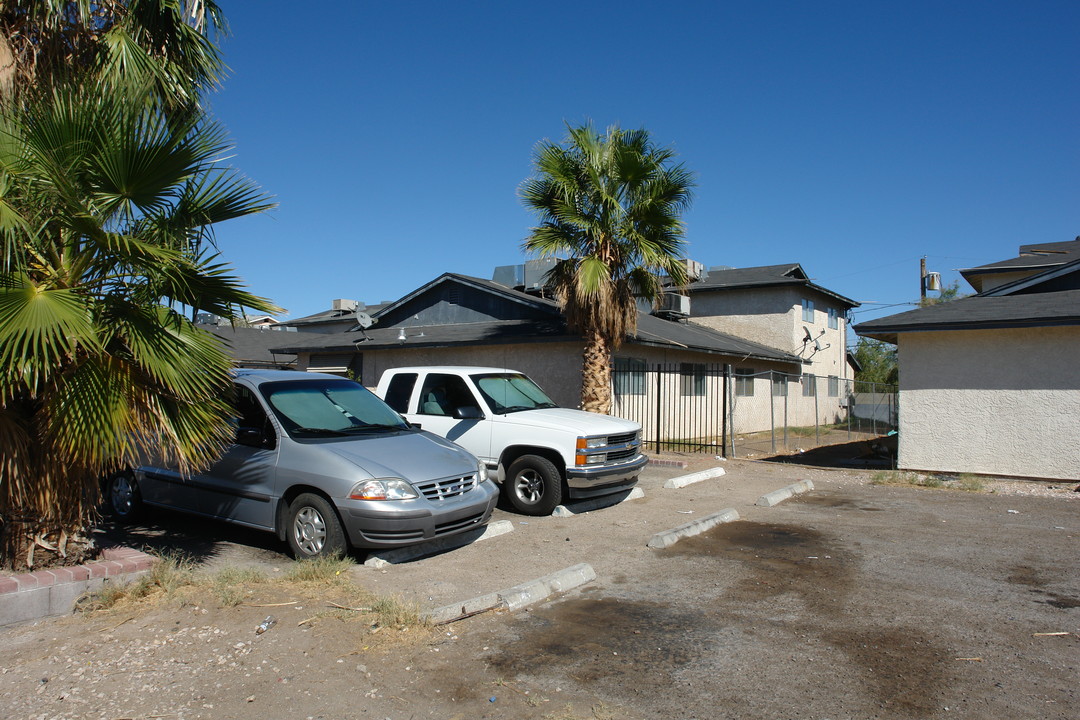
691, 407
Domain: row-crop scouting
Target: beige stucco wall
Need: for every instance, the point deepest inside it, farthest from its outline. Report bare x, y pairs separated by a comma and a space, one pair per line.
1003, 402
989, 282
772, 316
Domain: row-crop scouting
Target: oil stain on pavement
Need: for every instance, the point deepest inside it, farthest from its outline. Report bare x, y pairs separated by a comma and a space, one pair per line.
763, 589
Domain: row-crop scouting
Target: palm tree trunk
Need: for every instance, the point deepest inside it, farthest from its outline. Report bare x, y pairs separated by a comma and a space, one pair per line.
596, 374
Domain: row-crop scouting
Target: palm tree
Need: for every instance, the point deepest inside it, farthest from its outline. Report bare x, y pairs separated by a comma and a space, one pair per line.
163, 50
612, 204
103, 202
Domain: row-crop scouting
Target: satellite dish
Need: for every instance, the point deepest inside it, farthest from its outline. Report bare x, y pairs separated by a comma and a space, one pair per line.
817, 346
808, 337
364, 320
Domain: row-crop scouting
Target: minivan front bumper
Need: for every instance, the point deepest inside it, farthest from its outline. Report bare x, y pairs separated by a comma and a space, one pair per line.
382, 524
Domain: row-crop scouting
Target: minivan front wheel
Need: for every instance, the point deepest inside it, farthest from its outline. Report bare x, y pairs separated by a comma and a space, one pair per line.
534, 485
314, 529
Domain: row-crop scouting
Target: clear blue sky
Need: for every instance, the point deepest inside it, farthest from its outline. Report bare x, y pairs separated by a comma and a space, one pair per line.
851, 137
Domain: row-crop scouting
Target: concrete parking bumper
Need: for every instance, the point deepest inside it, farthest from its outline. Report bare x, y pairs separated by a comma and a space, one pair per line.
778, 496
519, 596
695, 527
684, 480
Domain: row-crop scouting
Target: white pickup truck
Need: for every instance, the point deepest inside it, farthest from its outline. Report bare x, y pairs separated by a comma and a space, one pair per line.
539, 452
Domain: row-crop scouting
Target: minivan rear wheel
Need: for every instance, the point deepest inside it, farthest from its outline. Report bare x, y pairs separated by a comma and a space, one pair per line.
533, 485
314, 529
122, 496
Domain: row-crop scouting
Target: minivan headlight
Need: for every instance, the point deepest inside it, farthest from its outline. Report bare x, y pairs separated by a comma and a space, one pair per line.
481, 472
383, 489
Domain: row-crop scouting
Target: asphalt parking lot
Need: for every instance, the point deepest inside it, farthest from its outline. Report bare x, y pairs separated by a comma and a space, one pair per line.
851, 601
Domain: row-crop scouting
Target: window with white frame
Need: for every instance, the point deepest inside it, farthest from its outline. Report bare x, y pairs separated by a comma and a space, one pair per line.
808, 311
834, 319
834, 386
744, 382
809, 385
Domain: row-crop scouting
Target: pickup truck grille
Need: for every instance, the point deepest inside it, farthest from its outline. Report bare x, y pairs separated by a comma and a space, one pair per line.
622, 454
447, 487
628, 438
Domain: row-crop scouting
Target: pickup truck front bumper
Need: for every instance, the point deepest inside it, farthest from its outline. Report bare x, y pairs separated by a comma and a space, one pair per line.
604, 479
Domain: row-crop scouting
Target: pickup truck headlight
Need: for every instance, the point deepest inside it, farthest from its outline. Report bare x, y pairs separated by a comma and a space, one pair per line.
383, 489
589, 443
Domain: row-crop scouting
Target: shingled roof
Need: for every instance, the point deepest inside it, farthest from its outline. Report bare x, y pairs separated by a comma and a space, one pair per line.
652, 330
718, 279
1032, 258
250, 347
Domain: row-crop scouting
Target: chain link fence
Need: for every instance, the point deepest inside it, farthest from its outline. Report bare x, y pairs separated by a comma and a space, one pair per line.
692, 407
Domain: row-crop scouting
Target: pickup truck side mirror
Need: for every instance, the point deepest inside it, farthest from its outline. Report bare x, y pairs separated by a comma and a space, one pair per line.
468, 412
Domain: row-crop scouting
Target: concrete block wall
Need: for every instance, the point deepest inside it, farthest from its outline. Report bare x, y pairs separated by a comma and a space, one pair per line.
46, 593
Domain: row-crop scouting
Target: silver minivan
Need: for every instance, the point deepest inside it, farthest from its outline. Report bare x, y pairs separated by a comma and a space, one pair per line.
324, 464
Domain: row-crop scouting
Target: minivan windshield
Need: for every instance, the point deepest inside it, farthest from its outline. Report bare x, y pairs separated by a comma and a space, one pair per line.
511, 392
327, 408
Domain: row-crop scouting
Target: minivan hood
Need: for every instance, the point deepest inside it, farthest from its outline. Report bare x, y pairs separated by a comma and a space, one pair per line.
579, 421
415, 456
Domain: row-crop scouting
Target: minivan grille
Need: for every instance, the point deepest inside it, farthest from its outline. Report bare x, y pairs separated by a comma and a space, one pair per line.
447, 487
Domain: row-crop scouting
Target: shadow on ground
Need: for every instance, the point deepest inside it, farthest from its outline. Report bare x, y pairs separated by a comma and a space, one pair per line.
862, 454
201, 540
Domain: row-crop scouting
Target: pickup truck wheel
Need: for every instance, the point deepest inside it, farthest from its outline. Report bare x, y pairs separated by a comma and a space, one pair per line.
534, 485
122, 496
314, 529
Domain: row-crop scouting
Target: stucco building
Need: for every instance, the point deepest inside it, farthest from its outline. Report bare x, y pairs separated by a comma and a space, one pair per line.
990, 383
462, 320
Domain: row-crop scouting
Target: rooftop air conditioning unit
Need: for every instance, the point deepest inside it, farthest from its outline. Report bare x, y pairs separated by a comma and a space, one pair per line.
343, 304
674, 305
694, 270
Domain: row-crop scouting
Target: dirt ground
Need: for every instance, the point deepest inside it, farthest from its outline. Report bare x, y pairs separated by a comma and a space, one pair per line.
852, 601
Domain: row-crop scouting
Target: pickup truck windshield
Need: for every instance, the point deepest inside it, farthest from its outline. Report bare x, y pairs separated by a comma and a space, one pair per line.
507, 393
329, 408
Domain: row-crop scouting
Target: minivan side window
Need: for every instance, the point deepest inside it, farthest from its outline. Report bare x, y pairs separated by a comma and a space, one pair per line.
399, 390
250, 417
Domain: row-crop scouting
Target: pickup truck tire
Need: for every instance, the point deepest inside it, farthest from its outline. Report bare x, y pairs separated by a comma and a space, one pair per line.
122, 497
313, 528
533, 485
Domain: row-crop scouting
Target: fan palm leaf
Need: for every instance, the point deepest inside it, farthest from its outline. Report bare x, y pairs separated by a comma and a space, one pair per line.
103, 203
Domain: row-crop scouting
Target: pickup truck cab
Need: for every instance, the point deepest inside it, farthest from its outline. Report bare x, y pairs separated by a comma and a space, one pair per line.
539, 452
325, 465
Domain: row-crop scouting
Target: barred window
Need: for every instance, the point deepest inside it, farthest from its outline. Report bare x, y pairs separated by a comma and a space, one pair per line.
629, 376
834, 386
693, 379
809, 385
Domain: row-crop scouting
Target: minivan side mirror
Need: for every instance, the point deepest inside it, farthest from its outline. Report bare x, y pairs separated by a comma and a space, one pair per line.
252, 437
468, 412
